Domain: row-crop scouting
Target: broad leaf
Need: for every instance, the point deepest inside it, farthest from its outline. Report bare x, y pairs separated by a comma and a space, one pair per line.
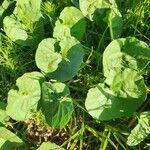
125, 94
72, 59
126, 53
3, 115
25, 26
28, 10
47, 59
29, 13
71, 23
23, 101
16, 31
9, 140
49, 146
56, 105
89, 7
141, 131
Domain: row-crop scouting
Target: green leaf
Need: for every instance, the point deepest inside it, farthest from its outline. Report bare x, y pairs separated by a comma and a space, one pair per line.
46, 58
126, 53
3, 8
49, 146
56, 105
25, 26
60, 64
23, 101
125, 94
3, 115
68, 25
138, 50
61, 30
9, 140
72, 54
29, 13
141, 131
96, 9
28, 10
89, 7
16, 31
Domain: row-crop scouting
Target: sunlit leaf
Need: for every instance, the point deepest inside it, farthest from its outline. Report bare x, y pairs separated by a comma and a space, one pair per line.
72, 54
25, 26
28, 10
71, 23
47, 58
16, 31
126, 53
141, 130
126, 93
89, 7
23, 101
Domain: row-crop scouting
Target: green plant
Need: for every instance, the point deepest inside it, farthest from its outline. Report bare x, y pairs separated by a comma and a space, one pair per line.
76, 53
123, 90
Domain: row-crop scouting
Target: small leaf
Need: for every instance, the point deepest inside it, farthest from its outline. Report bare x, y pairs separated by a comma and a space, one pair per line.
56, 105
141, 131
125, 94
68, 25
46, 58
49, 146
61, 30
3, 115
23, 102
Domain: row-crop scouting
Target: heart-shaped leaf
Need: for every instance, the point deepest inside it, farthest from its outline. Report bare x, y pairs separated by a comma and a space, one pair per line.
56, 105
23, 101
25, 26
72, 55
47, 59
126, 53
16, 31
125, 94
68, 25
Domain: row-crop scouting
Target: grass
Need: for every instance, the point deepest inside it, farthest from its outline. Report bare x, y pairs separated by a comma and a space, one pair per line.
82, 132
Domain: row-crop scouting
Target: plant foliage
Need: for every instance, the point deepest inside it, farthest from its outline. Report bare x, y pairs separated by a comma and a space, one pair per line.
71, 46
